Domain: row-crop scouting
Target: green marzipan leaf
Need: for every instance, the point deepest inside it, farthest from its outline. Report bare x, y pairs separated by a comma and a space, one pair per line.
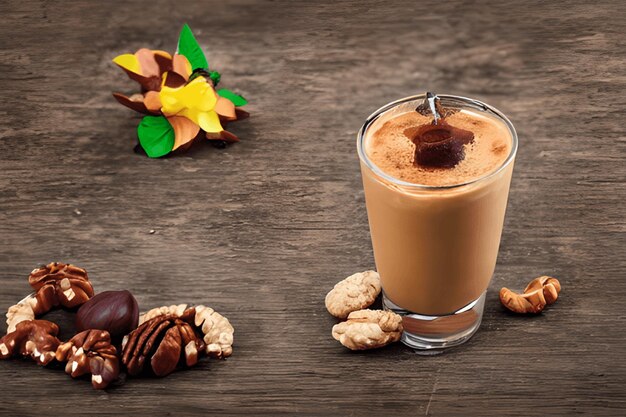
156, 136
235, 98
188, 46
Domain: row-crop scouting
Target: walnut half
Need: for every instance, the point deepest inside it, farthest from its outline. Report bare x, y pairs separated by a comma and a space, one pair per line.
217, 330
368, 329
21, 311
354, 293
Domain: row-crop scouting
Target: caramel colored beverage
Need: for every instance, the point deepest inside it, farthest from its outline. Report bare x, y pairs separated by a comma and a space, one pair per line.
436, 229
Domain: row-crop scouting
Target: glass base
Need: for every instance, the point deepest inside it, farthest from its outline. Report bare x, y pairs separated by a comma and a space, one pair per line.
431, 335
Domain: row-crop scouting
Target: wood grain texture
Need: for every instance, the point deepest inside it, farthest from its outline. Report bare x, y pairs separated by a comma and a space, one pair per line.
263, 229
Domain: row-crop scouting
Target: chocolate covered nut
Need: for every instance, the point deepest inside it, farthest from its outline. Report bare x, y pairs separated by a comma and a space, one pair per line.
440, 145
133, 355
114, 311
34, 338
190, 342
165, 340
90, 352
59, 284
167, 353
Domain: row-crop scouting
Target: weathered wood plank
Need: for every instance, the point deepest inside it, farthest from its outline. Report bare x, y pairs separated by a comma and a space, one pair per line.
263, 229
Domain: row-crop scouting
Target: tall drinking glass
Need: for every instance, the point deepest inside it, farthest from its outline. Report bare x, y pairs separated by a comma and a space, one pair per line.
435, 247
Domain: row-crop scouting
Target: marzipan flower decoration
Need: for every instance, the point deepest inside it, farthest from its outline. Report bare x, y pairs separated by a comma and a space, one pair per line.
179, 98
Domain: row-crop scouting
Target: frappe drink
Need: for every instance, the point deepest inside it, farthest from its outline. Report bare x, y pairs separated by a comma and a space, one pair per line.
436, 194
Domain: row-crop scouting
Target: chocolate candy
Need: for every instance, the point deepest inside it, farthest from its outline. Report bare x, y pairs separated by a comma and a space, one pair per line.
114, 311
90, 352
440, 145
34, 338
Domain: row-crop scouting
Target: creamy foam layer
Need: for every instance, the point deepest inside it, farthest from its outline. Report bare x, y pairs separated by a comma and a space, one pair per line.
393, 152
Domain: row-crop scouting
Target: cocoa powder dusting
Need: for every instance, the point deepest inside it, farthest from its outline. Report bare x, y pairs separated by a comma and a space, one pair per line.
393, 152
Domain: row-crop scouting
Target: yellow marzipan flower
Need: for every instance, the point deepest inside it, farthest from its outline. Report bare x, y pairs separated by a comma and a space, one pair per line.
195, 100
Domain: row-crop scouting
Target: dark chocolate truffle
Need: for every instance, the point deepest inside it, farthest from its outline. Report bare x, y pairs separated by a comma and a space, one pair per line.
440, 145
114, 311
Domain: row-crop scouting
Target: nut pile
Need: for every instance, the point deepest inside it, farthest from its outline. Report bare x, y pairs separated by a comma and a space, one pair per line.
113, 337
368, 329
364, 329
54, 284
217, 330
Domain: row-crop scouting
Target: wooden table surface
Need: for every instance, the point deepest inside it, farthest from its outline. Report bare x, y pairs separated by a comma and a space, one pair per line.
263, 229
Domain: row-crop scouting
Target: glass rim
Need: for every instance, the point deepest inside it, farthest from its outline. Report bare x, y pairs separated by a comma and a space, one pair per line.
468, 102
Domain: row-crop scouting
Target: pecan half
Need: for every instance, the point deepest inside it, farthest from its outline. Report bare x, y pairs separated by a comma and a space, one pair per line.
59, 284
91, 352
167, 339
167, 353
34, 338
